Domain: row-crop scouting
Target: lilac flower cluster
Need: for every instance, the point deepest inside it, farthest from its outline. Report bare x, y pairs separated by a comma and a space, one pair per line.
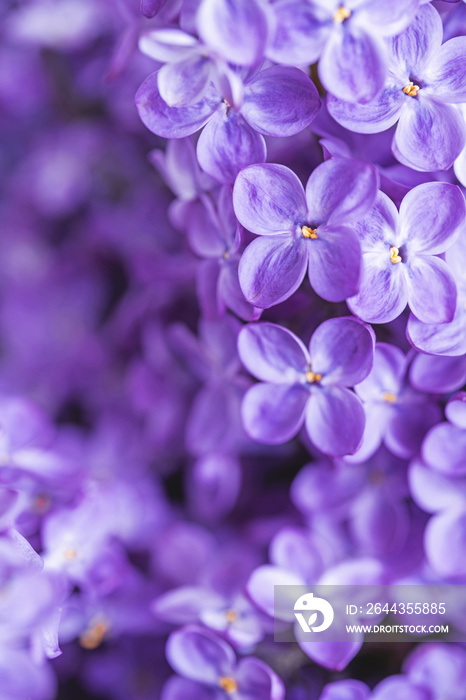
232, 341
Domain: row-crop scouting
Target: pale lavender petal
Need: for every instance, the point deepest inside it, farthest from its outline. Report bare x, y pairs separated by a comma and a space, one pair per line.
377, 231
256, 680
383, 292
171, 122
455, 410
200, 655
345, 690
445, 543
272, 353
440, 667
446, 75
441, 339
387, 373
237, 30
335, 421
272, 268
227, 144
280, 101
334, 263
431, 289
353, 65
442, 207
430, 134
341, 191
438, 375
269, 199
183, 605
389, 18
342, 350
444, 449
301, 32
274, 413
377, 418
185, 82
412, 50
260, 588
167, 44
432, 490
378, 115
400, 688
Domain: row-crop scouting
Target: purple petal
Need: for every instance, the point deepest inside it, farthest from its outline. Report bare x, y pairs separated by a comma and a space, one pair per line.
433, 491
272, 268
334, 263
445, 544
377, 418
342, 350
440, 204
280, 101
214, 486
256, 680
300, 34
345, 690
261, 585
198, 654
430, 135
335, 421
272, 353
390, 19
230, 293
379, 227
177, 688
353, 65
341, 191
378, 115
409, 424
431, 289
438, 375
168, 44
383, 291
333, 655
269, 199
446, 75
400, 688
185, 82
444, 449
182, 605
455, 410
441, 339
439, 667
171, 122
228, 144
237, 30
412, 50
273, 413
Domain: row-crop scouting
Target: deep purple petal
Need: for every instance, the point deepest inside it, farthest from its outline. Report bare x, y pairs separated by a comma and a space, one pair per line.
446, 75
198, 654
185, 82
341, 191
342, 350
272, 268
378, 115
171, 122
269, 199
335, 421
272, 353
237, 29
408, 425
256, 680
438, 375
431, 289
353, 65
177, 688
273, 413
280, 101
383, 291
227, 144
430, 134
441, 205
335, 263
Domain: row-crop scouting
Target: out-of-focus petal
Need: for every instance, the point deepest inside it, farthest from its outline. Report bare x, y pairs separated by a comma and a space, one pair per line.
273, 413
438, 375
444, 449
200, 655
256, 680
300, 34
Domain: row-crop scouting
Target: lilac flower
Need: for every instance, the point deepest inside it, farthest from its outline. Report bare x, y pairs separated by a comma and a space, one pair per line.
345, 690
396, 414
302, 229
208, 664
307, 386
444, 447
400, 255
347, 38
448, 338
425, 80
278, 101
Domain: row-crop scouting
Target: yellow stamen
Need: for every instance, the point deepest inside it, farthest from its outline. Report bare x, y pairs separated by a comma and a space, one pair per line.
231, 616
70, 554
93, 637
312, 377
411, 89
228, 684
394, 257
341, 14
309, 232
390, 398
